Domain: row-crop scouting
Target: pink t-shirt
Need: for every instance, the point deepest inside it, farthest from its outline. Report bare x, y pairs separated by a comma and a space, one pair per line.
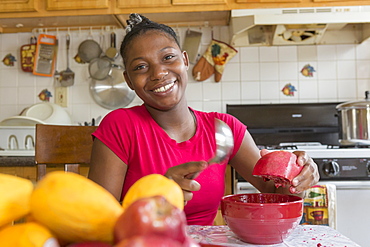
134, 136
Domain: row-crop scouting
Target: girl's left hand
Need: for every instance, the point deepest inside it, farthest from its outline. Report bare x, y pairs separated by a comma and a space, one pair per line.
309, 175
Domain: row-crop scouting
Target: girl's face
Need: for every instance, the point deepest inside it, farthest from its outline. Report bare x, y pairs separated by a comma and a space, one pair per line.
156, 69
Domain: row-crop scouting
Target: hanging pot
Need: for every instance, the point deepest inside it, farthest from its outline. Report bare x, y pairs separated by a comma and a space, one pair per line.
112, 92
354, 122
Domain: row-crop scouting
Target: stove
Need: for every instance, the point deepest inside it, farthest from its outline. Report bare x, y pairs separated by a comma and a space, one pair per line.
314, 128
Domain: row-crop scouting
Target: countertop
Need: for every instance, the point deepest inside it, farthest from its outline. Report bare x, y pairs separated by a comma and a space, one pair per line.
302, 235
17, 161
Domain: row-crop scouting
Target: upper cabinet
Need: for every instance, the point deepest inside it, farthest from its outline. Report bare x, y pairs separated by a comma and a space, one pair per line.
17, 6
143, 3
76, 4
197, 2
268, 1
25, 15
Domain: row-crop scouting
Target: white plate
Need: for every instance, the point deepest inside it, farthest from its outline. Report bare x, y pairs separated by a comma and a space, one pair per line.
21, 121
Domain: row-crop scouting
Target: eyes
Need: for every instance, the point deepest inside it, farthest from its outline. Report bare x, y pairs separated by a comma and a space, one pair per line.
168, 59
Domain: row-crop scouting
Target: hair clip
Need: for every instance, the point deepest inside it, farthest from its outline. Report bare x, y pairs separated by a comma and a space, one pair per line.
134, 19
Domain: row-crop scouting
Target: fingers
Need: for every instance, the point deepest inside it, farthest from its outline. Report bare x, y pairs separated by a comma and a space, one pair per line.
263, 152
184, 174
309, 175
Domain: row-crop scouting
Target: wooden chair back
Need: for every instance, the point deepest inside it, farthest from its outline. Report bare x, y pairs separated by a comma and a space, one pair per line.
62, 144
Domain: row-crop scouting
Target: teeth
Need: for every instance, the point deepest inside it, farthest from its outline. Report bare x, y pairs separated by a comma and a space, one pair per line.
164, 88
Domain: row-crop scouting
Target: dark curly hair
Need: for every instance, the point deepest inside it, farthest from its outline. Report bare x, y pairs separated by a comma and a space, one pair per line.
137, 25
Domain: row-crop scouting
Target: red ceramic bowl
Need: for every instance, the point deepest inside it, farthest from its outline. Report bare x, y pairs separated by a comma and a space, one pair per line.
262, 218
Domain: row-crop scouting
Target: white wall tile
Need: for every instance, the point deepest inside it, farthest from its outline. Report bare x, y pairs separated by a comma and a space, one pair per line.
250, 72
347, 90
308, 90
363, 51
269, 71
363, 68
9, 42
8, 78
326, 52
362, 86
230, 91
268, 54
270, 90
307, 53
194, 91
346, 52
26, 95
78, 95
250, 90
196, 105
287, 53
212, 106
326, 70
249, 54
327, 89
9, 96
346, 69
288, 71
211, 91
231, 72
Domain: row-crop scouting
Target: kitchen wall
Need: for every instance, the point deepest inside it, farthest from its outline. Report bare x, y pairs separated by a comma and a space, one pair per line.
255, 75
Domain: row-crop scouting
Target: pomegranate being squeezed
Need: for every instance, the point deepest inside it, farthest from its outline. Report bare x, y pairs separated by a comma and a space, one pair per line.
278, 166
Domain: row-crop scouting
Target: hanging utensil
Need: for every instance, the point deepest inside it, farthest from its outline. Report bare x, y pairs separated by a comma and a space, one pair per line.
101, 68
112, 51
67, 76
89, 49
113, 92
57, 75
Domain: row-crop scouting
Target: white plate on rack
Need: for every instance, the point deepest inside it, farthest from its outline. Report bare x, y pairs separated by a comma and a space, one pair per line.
21, 121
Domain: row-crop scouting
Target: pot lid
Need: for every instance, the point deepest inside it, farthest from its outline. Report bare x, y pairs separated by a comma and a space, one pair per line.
361, 104
113, 92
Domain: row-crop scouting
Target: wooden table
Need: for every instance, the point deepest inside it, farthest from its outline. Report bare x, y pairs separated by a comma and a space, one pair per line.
303, 235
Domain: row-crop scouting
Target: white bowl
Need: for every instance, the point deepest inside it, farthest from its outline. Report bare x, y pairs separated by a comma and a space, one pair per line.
40, 113
48, 112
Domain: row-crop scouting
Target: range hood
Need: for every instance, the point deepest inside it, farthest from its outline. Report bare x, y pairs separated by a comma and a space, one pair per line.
300, 26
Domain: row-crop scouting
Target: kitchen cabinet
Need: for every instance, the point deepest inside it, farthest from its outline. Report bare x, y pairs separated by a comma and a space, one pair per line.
75, 5
26, 15
17, 5
142, 3
197, 2
268, 1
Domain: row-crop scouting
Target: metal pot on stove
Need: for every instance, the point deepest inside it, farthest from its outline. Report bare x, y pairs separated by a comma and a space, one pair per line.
354, 122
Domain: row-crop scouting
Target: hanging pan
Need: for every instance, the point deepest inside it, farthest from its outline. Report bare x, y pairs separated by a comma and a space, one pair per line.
89, 49
101, 68
112, 92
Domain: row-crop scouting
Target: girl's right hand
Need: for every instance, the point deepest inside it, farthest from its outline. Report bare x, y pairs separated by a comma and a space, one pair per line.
184, 176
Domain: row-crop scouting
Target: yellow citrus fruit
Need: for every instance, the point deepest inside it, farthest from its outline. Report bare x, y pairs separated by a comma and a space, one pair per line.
15, 193
74, 207
27, 235
153, 185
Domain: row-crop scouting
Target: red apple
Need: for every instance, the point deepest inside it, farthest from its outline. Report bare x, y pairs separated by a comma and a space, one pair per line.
149, 241
90, 244
151, 215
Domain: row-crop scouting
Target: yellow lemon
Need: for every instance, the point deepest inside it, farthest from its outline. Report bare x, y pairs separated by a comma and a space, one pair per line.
153, 185
27, 235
